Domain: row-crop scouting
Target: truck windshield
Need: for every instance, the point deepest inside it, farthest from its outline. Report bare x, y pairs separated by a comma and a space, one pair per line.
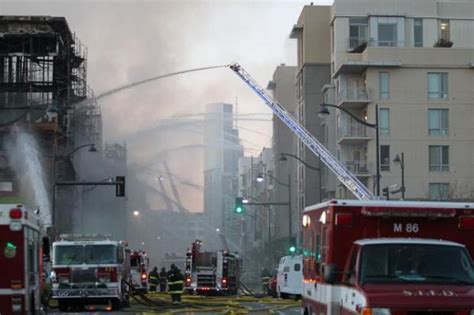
68, 254
100, 254
415, 263
85, 254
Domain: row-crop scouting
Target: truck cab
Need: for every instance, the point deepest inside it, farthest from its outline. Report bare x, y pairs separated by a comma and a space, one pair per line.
88, 271
381, 257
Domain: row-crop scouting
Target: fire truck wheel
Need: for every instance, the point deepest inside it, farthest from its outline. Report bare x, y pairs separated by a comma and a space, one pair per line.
63, 305
126, 301
116, 304
32, 304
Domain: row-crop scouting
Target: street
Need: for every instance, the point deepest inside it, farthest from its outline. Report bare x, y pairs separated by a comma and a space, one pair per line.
202, 305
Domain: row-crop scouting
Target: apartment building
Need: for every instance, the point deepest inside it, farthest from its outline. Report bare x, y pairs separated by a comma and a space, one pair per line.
415, 60
284, 144
313, 72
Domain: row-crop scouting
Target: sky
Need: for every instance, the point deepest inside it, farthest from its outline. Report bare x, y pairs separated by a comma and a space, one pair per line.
128, 41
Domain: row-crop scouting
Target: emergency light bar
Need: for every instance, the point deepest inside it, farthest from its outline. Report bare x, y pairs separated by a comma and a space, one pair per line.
408, 212
84, 236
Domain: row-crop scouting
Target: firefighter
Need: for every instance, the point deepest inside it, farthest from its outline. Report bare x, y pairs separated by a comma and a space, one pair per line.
265, 277
153, 277
163, 279
175, 284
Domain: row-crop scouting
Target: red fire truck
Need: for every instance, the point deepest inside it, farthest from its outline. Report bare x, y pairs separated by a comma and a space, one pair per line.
388, 257
211, 272
20, 260
139, 263
88, 271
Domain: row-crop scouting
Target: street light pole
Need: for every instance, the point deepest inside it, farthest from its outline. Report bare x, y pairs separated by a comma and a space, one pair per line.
290, 223
324, 111
260, 179
401, 161
55, 158
318, 169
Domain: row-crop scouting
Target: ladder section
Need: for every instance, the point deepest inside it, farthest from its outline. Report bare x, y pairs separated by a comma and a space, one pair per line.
342, 173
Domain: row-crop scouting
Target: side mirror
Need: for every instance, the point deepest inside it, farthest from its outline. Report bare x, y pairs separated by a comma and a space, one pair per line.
329, 275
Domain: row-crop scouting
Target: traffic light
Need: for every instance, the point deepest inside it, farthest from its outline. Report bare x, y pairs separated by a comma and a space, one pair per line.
120, 186
292, 249
386, 193
239, 206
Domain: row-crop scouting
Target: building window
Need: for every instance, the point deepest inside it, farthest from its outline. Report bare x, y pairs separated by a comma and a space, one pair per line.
6, 186
385, 158
384, 121
439, 191
444, 29
384, 84
387, 34
358, 32
418, 32
437, 85
439, 158
438, 122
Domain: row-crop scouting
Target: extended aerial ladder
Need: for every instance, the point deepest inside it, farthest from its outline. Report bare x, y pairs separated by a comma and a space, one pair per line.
342, 173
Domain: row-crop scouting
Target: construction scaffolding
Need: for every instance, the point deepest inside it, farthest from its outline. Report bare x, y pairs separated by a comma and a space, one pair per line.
43, 78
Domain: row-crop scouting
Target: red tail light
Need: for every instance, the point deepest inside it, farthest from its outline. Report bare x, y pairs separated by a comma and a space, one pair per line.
466, 222
16, 214
343, 219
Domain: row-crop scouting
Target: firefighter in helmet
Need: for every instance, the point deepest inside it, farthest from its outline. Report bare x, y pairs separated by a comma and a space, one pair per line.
163, 279
153, 277
175, 284
265, 277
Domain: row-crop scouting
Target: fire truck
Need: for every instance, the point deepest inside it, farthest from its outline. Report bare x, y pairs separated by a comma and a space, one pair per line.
216, 272
139, 263
20, 260
388, 257
88, 270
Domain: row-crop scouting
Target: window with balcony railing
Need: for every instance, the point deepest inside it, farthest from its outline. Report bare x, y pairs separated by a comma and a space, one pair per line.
385, 158
358, 32
438, 191
438, 122
437, 85
387, 33
384, 85
439, 158
384, 122
418, 32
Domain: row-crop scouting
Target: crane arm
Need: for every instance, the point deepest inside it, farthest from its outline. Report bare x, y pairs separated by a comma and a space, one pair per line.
174, 189
342, 173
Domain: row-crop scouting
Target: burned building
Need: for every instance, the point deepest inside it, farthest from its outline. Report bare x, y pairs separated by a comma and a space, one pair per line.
42, 86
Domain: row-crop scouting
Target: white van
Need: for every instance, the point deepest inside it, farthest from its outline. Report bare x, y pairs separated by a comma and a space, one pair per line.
290, 276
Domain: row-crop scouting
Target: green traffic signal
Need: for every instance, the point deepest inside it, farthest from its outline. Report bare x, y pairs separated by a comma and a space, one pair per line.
292, 249
239, 208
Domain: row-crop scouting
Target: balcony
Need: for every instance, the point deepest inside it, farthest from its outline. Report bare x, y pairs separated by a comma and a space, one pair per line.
353, 98
359, 168
352, 133
393, 54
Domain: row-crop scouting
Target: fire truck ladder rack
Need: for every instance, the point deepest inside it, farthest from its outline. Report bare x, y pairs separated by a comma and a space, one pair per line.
341, 172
